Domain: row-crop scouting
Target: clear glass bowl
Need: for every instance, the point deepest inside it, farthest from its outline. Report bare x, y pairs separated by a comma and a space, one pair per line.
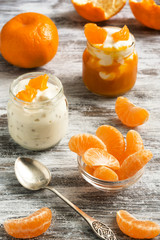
107, 185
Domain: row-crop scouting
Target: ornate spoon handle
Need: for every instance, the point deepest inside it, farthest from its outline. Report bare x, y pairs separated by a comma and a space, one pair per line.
100, 229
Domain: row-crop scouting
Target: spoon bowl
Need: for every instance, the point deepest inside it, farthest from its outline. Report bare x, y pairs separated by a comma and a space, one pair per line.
33, 175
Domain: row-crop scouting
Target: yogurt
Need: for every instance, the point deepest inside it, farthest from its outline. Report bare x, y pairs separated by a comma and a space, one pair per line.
43, 122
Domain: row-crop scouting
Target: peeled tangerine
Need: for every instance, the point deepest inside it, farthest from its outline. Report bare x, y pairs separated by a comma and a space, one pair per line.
147, 12
31, 226
129, 114
38, 83
105, 173
94, 157
113, 140
134, 163
27, 95
98, 10
95, 34
134, 228
134, 143
82, 142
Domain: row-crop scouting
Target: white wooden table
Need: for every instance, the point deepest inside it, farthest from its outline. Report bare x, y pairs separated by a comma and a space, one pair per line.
86, 113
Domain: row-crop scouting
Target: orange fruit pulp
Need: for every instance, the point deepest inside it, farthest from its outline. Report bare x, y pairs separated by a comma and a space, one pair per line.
99, 157
133, 163
121, 35
29, 40
147, 12
38, 83
134, 143
96, 11
113, 140
31, 226
80, 143
135, 228
27, 95
105, 173
108, 77
129, 114
95, 34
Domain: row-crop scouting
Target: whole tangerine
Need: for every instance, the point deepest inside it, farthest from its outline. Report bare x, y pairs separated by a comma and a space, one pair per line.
29, 40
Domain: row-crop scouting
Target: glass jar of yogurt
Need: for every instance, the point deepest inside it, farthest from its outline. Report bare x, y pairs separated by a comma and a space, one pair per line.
110, 69
42, 123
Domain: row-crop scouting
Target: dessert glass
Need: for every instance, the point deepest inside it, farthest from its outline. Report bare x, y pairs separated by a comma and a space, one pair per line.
107, 185
37, 125
110, 71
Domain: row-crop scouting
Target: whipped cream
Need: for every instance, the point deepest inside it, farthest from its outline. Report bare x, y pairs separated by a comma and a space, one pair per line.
36, 126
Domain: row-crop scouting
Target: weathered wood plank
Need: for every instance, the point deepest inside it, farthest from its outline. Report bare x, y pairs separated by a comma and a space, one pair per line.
86, 113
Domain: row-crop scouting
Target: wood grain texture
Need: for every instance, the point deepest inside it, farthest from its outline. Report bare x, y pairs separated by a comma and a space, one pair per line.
86, 113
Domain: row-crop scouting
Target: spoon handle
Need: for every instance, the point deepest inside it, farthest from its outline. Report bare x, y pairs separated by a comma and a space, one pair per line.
100, 229
78, 210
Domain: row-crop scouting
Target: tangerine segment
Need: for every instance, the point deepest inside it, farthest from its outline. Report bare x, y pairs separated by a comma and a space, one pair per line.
95, 34
147, 12
134, 163
89, 169
99, 157
122, 35
129, 114
31, 226
113, 140
135, 228
105, 173
134, 142
39, 82
98, 10
27, 95
82, 142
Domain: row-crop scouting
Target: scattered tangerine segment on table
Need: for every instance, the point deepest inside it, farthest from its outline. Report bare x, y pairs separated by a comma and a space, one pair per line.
27, 95
133, 163
97, 10
146, 12
31, 226
29, 40
113, 140
95, 34
39, 82
134, 143
105, 173
80, 143
135, 228
129, 114
94, 157
121, 35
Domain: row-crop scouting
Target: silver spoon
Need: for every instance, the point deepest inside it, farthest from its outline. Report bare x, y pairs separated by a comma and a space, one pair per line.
33, 175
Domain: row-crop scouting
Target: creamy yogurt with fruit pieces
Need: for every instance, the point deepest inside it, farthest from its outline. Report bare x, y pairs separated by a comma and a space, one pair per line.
42, 123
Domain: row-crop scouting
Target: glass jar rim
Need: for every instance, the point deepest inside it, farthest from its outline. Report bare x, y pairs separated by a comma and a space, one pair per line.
32, 75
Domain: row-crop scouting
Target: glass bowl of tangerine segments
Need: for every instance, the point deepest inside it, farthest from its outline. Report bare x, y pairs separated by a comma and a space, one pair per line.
107, 161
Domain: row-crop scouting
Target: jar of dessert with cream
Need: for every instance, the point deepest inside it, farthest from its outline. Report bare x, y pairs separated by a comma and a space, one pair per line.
37, 111
110, 68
